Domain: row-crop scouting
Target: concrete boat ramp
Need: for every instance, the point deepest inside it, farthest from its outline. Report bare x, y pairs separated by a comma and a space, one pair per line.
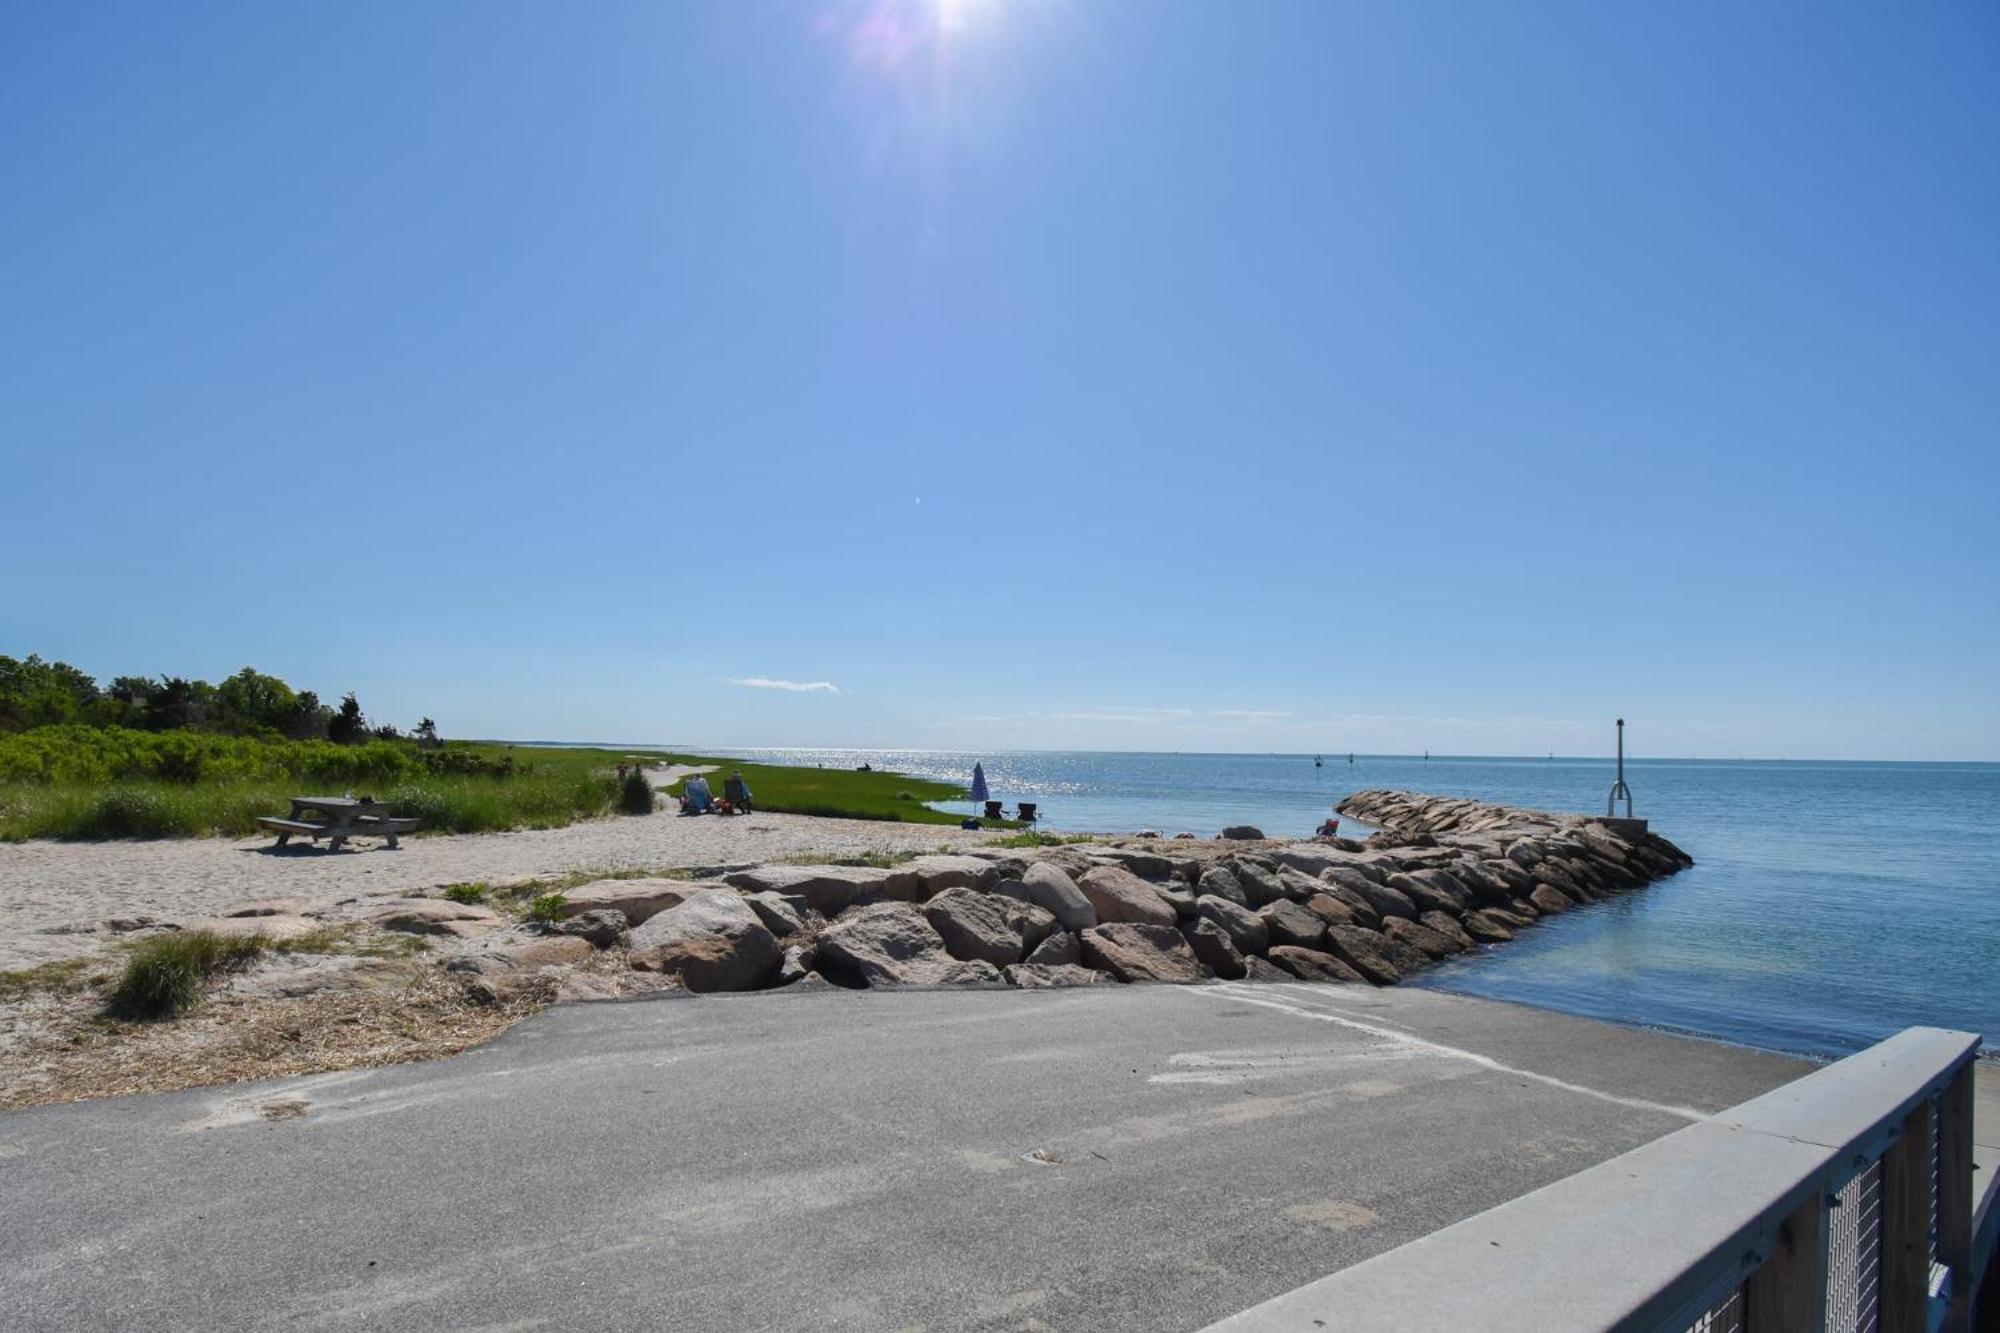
1132, 1157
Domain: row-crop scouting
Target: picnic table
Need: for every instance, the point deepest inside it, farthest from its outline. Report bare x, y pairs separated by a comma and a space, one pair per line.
339, 818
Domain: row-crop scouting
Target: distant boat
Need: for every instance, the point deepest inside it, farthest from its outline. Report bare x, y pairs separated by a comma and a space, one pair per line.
1319, 761
1350, 756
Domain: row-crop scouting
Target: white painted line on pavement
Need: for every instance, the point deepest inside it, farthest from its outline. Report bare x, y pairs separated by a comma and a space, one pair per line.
1261, 995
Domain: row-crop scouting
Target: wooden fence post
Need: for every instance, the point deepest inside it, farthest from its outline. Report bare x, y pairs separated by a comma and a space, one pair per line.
1955, 1195
1906, 1225
1788, 1294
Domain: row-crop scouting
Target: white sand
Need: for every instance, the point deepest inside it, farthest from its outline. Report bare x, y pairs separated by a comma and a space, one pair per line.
50, 889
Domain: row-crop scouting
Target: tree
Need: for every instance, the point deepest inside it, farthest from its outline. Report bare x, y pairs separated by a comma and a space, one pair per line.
252, 701
179, 705
427, 734
309, 718
34, 693
132, 696
348, 726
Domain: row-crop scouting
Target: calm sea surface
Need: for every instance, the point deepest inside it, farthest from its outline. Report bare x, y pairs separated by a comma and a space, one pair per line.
1830, 905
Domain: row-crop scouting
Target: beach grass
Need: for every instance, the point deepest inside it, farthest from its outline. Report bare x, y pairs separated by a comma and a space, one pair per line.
80, 784
165, 976
92, 784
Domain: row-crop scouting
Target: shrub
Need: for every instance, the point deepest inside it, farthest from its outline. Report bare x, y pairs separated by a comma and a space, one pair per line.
547, 908
635, 794
466, 893
165, 976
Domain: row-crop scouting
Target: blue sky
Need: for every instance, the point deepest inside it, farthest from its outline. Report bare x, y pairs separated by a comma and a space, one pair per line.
1030, 372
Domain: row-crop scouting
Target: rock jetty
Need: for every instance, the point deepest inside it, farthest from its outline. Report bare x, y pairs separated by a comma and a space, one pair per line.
1442, 877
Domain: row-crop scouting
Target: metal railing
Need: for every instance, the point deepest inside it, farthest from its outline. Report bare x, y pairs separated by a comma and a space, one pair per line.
1842, 1201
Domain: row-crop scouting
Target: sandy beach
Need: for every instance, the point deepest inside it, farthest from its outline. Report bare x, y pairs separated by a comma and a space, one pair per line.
54, 896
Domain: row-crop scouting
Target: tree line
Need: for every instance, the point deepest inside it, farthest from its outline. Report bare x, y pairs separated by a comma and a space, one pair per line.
35, 693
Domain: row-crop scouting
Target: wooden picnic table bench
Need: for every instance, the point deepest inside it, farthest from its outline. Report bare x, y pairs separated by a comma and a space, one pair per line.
341, 818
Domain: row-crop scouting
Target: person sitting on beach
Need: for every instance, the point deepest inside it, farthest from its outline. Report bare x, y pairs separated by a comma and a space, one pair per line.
1329, 827
737, 793
696, 798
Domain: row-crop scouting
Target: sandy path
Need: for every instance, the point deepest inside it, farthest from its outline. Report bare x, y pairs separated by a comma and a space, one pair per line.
46, 885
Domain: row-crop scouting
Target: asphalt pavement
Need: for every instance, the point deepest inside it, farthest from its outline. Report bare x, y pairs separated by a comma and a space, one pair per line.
1118, 1157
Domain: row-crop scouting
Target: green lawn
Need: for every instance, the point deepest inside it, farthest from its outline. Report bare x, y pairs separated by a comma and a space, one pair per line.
837, 792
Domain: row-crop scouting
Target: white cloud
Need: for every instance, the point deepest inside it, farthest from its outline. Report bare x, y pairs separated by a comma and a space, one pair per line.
1252, 714
795, 686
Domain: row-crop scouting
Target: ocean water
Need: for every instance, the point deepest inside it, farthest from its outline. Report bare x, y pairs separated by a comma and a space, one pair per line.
1830, 905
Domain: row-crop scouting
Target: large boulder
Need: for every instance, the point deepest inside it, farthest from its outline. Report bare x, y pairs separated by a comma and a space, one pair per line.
431, 916
1424, 895
1059, 948
1246, 930
1363, 911
1489, 925
713, 942
1263, 969
828, 889
1486, 886
1331, 911
976, 925
601, 926
512, 966
1242, 833
1298, 885
1033, 924
1448, 927
1420, 937
639, 899
1448, 884
1310, 859
946, 871
1220, 881
1288, 923
1117, 894
1177, 895
1037, 976
1563, 878
1375, 956
1261, 886
1050, 888
1144, 864
781, 914
1131, 951
893, 944
1313, 965
1550, 900
1212, 945
1384, 900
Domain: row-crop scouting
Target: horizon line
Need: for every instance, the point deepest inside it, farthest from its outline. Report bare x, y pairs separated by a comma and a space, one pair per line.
686, 747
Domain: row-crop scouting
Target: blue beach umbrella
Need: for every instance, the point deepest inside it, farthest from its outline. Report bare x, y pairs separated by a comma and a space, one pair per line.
979, 793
